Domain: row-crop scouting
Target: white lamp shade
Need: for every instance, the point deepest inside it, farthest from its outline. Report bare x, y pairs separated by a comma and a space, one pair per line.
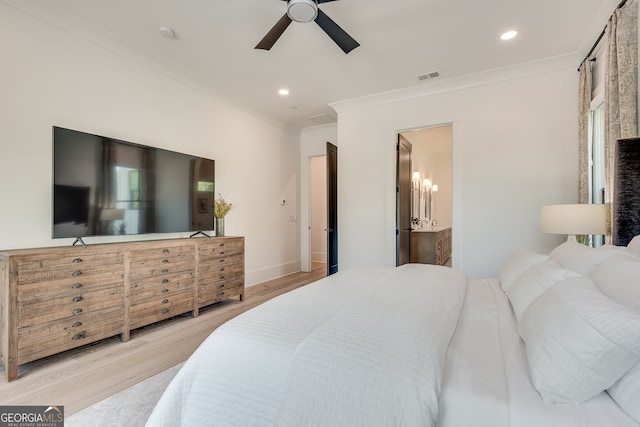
573, 219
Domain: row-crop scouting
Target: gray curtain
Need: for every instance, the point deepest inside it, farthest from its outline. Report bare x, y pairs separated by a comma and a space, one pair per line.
584, 104
620, 90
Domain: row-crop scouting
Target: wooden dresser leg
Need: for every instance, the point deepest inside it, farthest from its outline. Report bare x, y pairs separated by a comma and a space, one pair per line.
11, 371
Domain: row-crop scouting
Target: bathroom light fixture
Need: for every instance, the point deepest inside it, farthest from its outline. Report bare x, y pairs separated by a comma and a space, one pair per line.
283, 92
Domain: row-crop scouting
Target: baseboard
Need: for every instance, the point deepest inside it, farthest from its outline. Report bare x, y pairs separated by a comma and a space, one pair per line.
265, 274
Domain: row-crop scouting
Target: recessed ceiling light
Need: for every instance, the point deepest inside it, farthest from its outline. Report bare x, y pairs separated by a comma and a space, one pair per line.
509, 35
283, 92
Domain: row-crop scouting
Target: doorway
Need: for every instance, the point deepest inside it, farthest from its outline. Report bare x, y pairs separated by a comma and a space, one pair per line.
317, 211
429, 183
323, 210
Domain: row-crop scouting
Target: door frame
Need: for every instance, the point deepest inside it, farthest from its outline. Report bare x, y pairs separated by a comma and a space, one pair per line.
449, 119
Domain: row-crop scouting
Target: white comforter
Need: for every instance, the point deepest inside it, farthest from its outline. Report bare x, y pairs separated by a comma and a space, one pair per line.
364, 347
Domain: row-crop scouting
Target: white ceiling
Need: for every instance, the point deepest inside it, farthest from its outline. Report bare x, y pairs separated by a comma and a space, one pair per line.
400, 39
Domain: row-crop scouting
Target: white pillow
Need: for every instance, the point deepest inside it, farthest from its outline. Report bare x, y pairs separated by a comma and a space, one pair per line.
534, 281
634, 246
619, 278
626, 392
578, 341
516, 264
582, 258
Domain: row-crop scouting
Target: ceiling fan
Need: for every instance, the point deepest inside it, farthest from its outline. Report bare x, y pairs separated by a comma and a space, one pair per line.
307, 11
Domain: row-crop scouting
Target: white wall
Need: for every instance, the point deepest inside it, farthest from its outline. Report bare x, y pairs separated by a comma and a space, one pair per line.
51, 77
514, 150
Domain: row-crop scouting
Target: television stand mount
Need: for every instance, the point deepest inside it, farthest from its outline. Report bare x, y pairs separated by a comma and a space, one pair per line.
198, 233
79, 240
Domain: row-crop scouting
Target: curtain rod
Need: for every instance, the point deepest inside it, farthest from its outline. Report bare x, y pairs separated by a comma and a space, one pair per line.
620, 5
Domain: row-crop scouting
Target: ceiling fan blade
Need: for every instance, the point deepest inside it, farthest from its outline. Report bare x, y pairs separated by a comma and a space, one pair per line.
333, 30
324, 1
274, 33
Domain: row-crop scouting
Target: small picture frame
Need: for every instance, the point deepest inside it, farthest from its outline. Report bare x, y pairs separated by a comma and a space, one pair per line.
202, 206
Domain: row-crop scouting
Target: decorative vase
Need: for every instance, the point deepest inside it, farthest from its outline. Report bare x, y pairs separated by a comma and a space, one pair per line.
219, 227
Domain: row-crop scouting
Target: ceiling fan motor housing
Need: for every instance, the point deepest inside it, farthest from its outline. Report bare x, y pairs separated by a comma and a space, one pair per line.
302, 10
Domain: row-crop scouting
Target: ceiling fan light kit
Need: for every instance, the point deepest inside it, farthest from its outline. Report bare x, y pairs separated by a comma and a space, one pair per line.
301, 11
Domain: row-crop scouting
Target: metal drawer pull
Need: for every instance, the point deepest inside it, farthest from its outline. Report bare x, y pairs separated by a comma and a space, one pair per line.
222, 286
221, 261
76, 286
165, 251
221, 293
165, 280
164, 291
75, 325
221, 252
76, 273
165, 301
76, 299
222, 278
77, 311
165, 311
76, 260
165, 261
222, 245
165, 270
222, 269
77, 337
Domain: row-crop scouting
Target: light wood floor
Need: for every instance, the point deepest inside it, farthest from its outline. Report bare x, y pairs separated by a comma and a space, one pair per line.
81, 377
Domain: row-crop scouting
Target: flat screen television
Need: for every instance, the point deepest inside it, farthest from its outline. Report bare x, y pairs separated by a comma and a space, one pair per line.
104, 187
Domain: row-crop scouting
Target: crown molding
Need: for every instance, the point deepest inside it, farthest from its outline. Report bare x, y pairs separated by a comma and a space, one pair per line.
543, 66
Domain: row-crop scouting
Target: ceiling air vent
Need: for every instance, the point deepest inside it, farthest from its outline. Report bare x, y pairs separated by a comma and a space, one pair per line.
431, 75
322, 119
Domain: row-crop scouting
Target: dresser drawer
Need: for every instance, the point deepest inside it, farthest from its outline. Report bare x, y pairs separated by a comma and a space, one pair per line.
52, 337
84, 271
87, 280
220, 248
163, 307
215, 292
159, 263
40, 310
213, 274
155, 286
222, 261
34, 264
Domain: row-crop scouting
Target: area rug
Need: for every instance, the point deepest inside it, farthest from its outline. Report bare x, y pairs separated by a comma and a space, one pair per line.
129, 408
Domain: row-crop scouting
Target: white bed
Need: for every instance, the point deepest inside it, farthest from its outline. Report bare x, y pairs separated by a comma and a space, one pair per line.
421, 345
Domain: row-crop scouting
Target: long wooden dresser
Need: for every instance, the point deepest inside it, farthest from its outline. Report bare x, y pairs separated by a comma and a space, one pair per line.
59, 298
